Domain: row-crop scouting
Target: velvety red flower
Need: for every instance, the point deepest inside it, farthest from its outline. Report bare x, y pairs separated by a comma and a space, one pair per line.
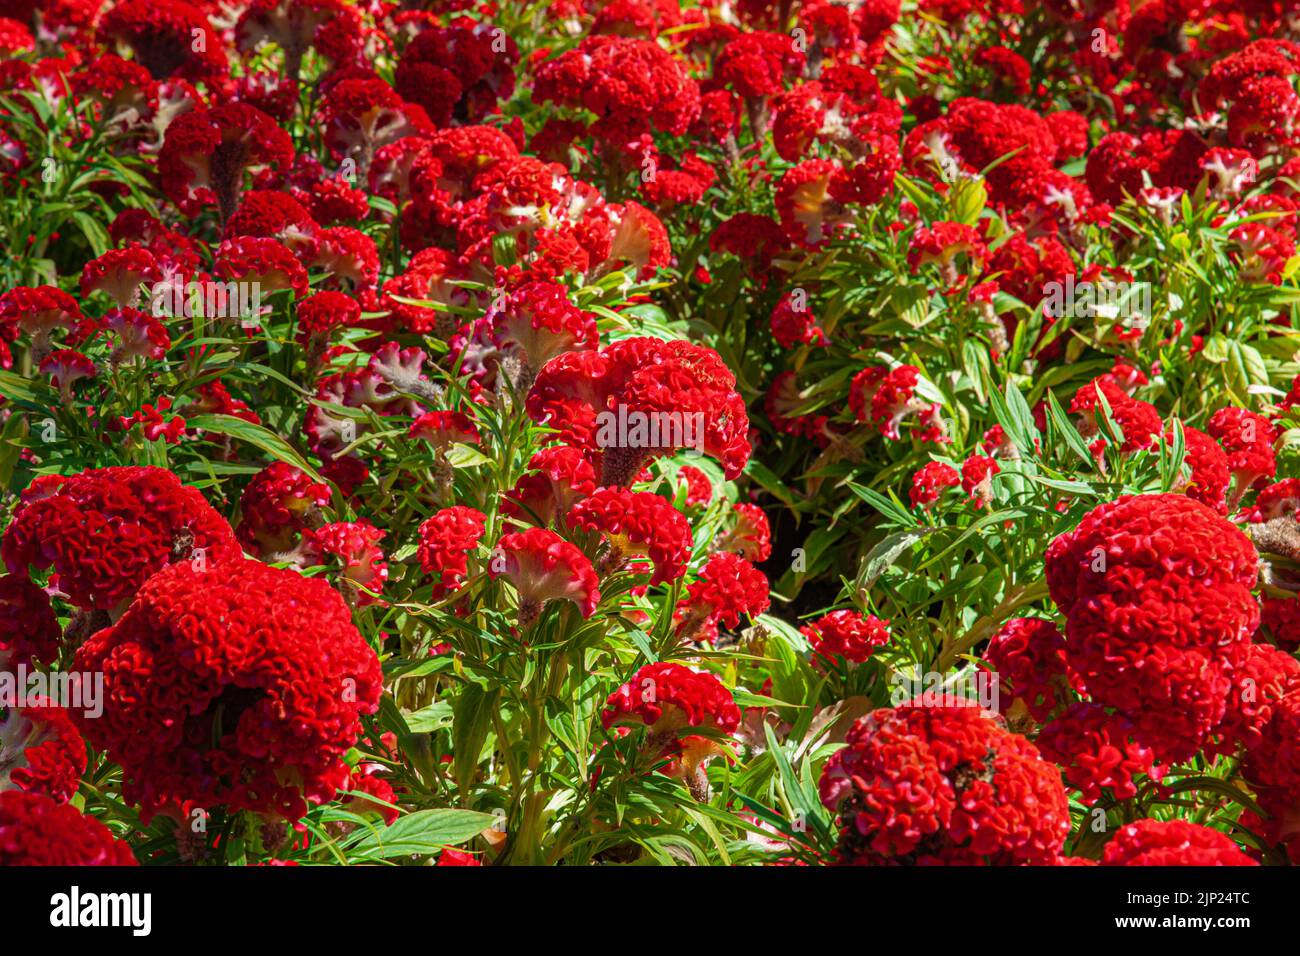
356, 545
461, 70
106, 531
361, 115
207, 152
794, 324
544, 567
751, 536
443, 429
169, 37
267, 262
1156, 592
43, 752
239, 687
557, 478
453, 857
29, 631
1172, 843
37, 831
929, 482
1098, 751
636, 524
120, 273
538, 322
1138, 420
671, 700
1281, 618
699, 490
727, 588
139, 335
656, 392
886, 397
1028, 656
631, 85
943, 785
446, 539
758, 64
276, 508
977, 473
846, 634
1209, 478
1248, 440
320, 314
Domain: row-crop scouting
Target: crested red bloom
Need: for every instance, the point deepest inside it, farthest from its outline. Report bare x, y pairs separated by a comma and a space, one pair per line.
942, 244
631, 85
670, 701
557, 478
139, 335
758, 64
727, 588
297, 25
1248, 440
427, 277
446, 539
356, 545
320, 314
246, 685
637, 523
1264, 677
65, 366
977, 474
169, 37
699, 490
453, 857
794, 324
1138, 420
1278, 500
929, 482
809, 213
264, 261
1209, 478
43, 752
120, 273
276, 508
544, 567
461, 70
538, 322
846, 634
442, 429
270, 214
29, 631
1281, 618
1172, 843
638, 398
886, 397
39, 311
751, 536
106, 531
37, 831
943, 785
363, 114
1097, 750
207, 152
1028, 656
1156, 592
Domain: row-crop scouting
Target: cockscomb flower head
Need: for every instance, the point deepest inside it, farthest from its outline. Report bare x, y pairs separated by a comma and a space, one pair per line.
943, 785
38, 831
751, 536
557, 478
447, 538
245, 687
1172, 843
727, 588
29, 630
636, 524
929, 482
107, 530
277, 507
356, 545
41, 751
1098, 751
846, 634
1028, 656
544, 567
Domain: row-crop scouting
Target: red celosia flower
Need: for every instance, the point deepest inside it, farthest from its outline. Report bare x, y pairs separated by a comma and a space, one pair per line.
139, 335
930, 481
887, 396
809, 213
363, 114
538, 322
29, 631
1281, 617
1138, 420
977, 479
120, 273
65, 366
757, 64
544, 567
846, 634
638, 398
557, 478
751, 537
1172, 843
699, 490
636, 523
1264, 677
106, 530
942, 244
239, 687
37, 831
728, 587
297, 25
461, 70
631, 85
207, 152
1097, 750
43, 752
443, 429
269, 214
169, 37
943, 785
1208, 482
1028, 656
1156, 591
39, 311
453, 857
1248, 440
276, 508
446, 539
356, 545
670, 700
320, 314
264, 261
795, 325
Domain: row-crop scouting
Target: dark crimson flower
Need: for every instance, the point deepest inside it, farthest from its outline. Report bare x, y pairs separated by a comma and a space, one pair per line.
1172, 843
636, 524
846, 634
239, 687
37, 831
446, 539
43, 752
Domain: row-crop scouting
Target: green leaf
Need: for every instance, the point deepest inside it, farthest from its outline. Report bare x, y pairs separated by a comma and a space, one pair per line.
422, 832
472, 717
268, 441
